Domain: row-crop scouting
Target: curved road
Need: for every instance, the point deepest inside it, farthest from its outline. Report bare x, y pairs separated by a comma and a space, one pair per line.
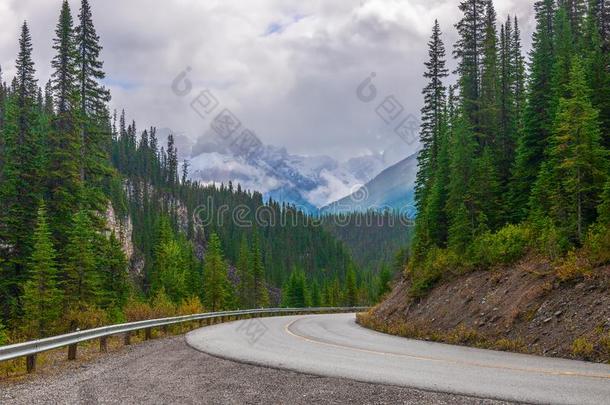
335, 346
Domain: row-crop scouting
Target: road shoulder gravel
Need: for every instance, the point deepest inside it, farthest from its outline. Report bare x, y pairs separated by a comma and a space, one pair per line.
169, 371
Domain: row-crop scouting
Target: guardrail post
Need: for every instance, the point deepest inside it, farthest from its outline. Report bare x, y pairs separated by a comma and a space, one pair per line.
104, 344
72, 351
127, 338
147, 333
30, 363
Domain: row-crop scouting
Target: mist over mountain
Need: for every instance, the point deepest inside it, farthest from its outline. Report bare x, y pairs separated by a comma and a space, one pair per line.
309, 182
393, 188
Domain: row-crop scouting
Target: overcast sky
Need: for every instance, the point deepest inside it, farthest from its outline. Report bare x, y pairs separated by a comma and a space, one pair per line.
288, 70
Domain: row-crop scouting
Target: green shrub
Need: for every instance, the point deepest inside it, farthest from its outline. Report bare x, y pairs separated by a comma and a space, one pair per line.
86, 317
505, 246
548, 239
597, 245
137, 310
437, 262
162, 306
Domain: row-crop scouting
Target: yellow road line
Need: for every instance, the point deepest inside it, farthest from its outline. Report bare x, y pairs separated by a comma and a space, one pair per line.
438, 359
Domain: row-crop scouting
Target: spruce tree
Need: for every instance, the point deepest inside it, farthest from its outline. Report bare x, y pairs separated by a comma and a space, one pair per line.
385, 277
351, 288
294, 293
170, 270
215, 276
564, 50
460, 204
431, 225
245, 287
261, 295
93, 99
572, 178
537, 117
81, 278
518, 82
434, 100
575, 13
597, 59
468, 50
316, 294
63, 182
490, 83
114, 274
20, 191
41, 295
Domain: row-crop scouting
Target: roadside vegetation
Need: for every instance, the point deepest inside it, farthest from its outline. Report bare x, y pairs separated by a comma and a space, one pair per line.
515, 161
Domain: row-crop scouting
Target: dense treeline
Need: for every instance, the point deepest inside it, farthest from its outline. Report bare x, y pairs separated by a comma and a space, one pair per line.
373, 239
511, 163
69, 169
255, 235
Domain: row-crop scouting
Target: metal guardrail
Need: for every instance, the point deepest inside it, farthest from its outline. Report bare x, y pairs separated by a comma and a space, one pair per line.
30, 349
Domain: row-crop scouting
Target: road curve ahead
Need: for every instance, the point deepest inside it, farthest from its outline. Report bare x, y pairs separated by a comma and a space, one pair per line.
335, 346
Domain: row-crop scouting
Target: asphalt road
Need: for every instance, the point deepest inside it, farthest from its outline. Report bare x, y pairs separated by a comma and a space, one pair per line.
167, 371
335, 346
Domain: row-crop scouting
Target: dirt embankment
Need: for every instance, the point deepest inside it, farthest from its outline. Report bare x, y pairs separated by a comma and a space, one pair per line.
523, 308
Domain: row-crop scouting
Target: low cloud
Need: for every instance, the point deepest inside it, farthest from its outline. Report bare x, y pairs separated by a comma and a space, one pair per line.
288, 70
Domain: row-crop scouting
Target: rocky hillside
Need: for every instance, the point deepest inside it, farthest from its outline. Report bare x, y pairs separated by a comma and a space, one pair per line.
520, 308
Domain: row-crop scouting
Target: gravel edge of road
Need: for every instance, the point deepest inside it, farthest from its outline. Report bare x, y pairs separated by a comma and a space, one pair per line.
226, 379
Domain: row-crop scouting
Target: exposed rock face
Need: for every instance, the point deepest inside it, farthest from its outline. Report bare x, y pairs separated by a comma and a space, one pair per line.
123, 230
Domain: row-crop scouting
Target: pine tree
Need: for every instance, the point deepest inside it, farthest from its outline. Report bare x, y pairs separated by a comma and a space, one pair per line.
316, 294
113, 268
431, 224
575, 13
41, 295
294, 293
571, 180
460, 204
82, 281
169, 263
564, 50
434, 100
485, 191
93, 100
215, 276
468, 50
537, 118
518, 82
63, 183
63, 82
490, 83
597, 58
246, 282
512, 72
385, 277
261, 295
172, 161
20, 191
351, 288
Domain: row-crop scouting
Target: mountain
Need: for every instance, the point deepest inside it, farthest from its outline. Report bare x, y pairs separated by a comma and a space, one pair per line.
309, 182
393, 188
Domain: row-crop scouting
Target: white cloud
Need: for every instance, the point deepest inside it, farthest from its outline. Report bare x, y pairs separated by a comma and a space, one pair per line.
294, 87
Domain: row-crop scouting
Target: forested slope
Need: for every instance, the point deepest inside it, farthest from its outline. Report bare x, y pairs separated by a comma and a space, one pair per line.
99, 224
515, 166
